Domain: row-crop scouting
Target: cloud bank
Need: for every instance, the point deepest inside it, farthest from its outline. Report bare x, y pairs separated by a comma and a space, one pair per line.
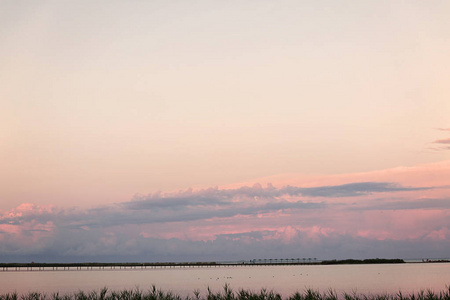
353, 219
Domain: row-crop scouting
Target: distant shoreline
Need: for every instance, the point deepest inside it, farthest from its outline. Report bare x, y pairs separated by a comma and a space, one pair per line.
28, 266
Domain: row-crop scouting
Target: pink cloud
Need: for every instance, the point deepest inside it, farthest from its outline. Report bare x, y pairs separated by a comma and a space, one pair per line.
441, 234
9, 229
442, 144
398, 205
442, 141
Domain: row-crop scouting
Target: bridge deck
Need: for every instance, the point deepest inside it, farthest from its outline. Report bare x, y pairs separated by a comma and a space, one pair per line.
125, 266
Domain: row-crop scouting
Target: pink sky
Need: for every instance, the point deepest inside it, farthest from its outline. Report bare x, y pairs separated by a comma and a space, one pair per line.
224, 130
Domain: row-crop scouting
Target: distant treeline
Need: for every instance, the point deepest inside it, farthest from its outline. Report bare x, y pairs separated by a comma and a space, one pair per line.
226, 294
365, 261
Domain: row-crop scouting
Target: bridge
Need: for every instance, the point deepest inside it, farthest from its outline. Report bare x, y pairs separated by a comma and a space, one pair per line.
130, 266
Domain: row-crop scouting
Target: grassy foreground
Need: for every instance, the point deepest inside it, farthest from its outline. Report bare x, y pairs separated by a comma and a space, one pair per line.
226, 294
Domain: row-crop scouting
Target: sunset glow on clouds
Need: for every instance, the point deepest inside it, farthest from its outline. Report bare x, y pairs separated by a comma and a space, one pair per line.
355, 219
224, 130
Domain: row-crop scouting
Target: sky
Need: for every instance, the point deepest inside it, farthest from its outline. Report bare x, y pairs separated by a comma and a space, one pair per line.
224, 130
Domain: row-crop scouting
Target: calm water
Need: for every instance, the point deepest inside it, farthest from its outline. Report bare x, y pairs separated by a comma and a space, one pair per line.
286, 280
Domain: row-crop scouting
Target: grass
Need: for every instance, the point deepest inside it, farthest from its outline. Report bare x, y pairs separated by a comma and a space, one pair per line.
226, 294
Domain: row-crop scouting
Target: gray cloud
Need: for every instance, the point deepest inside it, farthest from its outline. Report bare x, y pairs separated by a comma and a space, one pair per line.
213, 197
203, 204
119, 216
255, 235
351, 189
417, 204
87, 246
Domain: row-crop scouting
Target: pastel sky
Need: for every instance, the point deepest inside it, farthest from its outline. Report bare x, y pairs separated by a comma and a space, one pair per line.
224, 130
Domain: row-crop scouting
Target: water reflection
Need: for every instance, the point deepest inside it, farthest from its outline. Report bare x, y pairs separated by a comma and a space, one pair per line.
286, 280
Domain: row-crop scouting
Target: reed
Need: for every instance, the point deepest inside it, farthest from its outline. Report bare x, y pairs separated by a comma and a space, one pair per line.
226, 294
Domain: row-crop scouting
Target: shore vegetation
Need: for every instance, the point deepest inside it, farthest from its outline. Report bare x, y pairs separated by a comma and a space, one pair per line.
226, 294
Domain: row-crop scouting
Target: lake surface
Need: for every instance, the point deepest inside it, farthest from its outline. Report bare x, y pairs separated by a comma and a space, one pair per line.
286, 280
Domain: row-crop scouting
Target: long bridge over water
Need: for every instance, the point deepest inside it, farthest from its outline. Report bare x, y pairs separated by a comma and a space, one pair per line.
131, 266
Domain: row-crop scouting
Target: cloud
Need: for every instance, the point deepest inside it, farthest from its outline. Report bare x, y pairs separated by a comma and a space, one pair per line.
245, 245
232, 223
351, 189
443, 141
418, 204
163, 209
214, 196
442, 144
191, 205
